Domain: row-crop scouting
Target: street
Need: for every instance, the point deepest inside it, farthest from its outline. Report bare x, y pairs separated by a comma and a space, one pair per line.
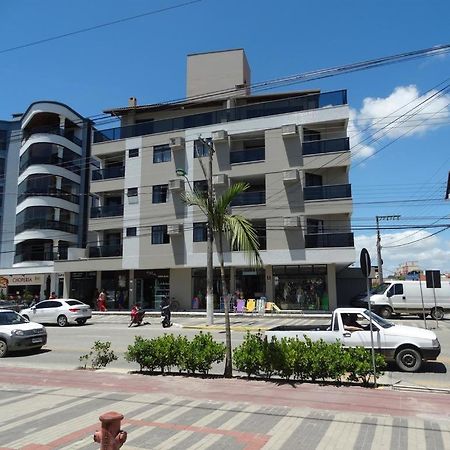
66, 345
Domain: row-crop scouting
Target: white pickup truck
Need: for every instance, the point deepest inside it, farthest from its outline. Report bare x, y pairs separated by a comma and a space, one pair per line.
407, 346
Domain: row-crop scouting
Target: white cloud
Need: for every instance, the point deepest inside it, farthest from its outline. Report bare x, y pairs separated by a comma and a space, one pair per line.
404, 110
429, 253
359, 149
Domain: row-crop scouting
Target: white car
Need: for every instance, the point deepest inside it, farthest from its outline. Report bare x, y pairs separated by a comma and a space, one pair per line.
16, 333
59, 311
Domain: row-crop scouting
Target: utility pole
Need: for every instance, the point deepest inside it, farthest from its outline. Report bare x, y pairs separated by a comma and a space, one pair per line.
380, 260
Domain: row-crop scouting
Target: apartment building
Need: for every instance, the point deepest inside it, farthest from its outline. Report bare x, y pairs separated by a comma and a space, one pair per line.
291, 148
44, 155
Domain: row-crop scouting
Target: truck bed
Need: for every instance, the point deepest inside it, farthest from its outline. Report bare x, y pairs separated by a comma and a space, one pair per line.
301, 328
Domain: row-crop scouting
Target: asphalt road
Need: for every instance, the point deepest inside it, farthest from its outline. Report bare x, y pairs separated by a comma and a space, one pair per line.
66, 345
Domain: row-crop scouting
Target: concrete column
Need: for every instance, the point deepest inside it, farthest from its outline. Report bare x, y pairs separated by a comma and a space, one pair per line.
269, 284
66, 290
331, 284
131, 290
99, 280
62, 122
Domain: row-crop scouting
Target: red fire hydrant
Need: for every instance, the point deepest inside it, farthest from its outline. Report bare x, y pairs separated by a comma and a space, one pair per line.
111, 437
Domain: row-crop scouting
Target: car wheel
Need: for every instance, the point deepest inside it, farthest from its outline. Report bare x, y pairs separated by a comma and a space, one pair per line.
437, 313
26, 317
3, 348
385, 312
62, 321
81, 321
408, 359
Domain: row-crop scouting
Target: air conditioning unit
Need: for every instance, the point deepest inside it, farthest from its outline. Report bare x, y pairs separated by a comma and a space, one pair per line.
174, 229
176, 185
220, 179
176, 143
292, 222
220, 135
291, 176
289, 130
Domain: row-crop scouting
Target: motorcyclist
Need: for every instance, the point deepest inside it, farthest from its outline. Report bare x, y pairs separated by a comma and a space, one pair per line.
165, 312
137, 315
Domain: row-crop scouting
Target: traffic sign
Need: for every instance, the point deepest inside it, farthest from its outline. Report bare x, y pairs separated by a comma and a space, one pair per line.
433, 278
364, 261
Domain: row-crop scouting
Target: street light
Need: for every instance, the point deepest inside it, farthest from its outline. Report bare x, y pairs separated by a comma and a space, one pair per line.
182, 173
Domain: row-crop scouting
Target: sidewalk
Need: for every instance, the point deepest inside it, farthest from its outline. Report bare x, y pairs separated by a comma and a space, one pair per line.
46, 410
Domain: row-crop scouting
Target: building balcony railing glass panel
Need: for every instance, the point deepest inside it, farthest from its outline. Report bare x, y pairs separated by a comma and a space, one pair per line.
68, 134
108, 173
44, 224
34, 256
107, 211
263, 109
58, 193
50, 160
105, 251
326, 146
320, 240
327, 192
249, 155
250, 198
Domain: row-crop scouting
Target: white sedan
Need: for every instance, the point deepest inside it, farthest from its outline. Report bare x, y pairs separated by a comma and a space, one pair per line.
59, 311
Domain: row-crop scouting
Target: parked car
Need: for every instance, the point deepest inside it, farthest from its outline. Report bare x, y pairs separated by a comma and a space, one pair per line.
59, 311
12, 304
407, 346
17, 333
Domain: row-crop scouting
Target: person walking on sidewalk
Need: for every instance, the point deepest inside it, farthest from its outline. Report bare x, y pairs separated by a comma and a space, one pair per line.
101, 301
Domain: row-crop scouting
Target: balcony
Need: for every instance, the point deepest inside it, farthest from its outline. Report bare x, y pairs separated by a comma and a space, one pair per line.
327, 192
108, 173
321, 240
45, 224
250, 198
326, 146
58, 193
34, 256
249, 155
105, 251
67, 133
263, 109
51, 160
107, 211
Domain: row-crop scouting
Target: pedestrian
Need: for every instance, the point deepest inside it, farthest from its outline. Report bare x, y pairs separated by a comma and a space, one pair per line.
101, 301
53, 295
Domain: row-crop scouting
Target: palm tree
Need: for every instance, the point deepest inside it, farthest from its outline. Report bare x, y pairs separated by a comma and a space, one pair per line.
238, 232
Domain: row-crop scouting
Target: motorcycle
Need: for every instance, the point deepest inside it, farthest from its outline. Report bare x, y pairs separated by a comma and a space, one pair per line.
165, 313
137, 316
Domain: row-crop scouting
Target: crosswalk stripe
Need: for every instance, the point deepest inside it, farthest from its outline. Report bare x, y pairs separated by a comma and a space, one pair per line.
281, 432
340, 434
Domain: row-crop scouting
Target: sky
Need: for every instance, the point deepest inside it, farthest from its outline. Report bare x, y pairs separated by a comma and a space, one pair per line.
400, 113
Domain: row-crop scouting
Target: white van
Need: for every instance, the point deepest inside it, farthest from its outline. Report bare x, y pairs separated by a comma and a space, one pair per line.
405, 297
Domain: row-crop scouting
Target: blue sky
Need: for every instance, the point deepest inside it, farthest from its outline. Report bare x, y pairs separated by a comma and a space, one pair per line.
146, 58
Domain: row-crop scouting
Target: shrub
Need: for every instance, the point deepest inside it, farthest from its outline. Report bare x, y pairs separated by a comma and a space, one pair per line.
200, 353
247, 357
143, 353
359, 365
100, 355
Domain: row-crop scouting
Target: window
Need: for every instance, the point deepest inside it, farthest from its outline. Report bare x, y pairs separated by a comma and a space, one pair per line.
132, 231
159, 193
161, 153
311, 179
201, 186
310, 135
200, 148
398, 289
159, 234
132, 192
200, 232
133, 153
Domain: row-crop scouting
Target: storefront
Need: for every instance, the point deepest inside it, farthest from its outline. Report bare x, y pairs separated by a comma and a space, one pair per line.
83, 287
301, 287
150, 286
22, 287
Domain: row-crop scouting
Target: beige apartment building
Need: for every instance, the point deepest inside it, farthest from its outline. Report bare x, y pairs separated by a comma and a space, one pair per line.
291, 148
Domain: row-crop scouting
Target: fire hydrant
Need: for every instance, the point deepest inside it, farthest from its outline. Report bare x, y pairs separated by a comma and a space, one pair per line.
111, 437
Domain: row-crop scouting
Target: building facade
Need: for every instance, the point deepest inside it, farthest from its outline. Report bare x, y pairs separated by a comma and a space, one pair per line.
45, 192
143, 242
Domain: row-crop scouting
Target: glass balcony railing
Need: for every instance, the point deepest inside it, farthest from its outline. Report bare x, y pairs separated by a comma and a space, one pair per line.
34, 256
58, 193
326, 146
51, 160
105, 251
250, 198
108, 173
320, 240
327, 192
67, 133
45, 224
249, 155
263, 109
107, 211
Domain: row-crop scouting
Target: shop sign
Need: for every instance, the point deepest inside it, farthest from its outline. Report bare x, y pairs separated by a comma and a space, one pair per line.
23, 280
4, 282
